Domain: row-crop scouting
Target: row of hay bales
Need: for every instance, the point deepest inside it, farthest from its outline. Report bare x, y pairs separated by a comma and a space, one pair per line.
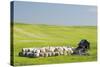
46, 51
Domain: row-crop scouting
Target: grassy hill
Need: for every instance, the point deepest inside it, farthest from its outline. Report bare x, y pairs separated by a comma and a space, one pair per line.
39, 35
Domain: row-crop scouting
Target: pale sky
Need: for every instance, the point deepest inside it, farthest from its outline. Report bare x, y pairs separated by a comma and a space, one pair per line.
54, 14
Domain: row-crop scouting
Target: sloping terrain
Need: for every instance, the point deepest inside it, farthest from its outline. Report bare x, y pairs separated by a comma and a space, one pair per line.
39, 35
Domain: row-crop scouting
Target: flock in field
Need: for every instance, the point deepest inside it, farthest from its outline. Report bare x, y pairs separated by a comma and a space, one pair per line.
46, 51
81, 49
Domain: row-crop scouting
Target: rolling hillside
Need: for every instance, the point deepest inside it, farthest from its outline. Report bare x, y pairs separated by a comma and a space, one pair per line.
39, 35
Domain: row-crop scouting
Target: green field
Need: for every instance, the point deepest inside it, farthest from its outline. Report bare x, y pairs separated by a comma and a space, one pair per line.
39, 35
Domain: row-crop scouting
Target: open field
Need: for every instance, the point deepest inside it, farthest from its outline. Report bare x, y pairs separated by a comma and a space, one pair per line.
28, 35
